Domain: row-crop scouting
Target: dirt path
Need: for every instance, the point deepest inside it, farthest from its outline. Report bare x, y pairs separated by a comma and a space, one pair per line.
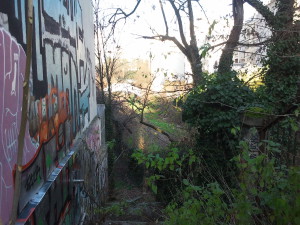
131, 203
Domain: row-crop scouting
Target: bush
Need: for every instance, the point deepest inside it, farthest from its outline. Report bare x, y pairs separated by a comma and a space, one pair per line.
214, 108
266, 194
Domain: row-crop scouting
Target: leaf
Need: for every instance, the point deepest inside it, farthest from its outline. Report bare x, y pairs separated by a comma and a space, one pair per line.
295, 126
261, 183
192, 160
297, 112
233, 131
160, 166
211, 27
154, 188
167, 160
275, 150
172, 167
185, 182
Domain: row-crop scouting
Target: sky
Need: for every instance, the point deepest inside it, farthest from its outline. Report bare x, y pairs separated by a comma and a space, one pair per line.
148, 17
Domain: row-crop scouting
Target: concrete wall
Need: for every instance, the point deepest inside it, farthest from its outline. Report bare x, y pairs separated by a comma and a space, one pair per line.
63, 135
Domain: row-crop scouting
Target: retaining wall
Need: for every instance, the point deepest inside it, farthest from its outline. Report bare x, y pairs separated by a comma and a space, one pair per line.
64, 164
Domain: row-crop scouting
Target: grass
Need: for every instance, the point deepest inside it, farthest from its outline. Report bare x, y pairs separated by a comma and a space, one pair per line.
155, 119
158, 114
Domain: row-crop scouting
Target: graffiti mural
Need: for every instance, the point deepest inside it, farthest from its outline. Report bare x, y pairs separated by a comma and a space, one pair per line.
62, 106
12, 68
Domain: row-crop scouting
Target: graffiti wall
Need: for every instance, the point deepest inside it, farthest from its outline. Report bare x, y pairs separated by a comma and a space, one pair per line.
62, 108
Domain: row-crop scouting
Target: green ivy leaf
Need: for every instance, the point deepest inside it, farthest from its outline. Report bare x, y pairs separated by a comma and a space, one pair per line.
185, 182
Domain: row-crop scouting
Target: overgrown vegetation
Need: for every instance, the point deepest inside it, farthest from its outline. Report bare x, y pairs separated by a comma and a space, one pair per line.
214, 177
265, 192
216, 181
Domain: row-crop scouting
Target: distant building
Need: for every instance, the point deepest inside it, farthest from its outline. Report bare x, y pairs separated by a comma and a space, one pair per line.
255, 31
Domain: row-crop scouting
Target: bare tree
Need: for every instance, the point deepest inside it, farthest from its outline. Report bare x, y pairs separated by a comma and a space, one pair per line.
107, 53
187, 44
188, 47
99, 50
108, 57
187, 41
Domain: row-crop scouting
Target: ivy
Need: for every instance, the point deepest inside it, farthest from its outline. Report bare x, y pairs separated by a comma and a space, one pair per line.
215, 109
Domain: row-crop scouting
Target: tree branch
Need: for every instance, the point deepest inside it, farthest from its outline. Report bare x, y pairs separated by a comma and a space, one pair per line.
113, 19
242, 44
203, 12
168, 38
180, 26
164, 16
192, 25
264, 11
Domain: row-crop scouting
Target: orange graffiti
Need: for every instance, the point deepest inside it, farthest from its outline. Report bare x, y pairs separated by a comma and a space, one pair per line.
51, 124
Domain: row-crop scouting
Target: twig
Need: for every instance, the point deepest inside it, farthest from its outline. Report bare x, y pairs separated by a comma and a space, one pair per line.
120, 11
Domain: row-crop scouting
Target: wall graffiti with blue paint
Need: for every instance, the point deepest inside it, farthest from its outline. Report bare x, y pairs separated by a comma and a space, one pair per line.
62, 96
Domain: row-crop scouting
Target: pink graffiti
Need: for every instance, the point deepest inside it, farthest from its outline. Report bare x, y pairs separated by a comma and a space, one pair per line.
12, 70
94, 138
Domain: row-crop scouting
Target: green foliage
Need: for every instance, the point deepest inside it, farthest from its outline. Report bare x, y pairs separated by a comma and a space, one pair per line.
209, 209
256, 112
111, 144
279, 92
155, 119
169, 159
168, 167
215, 104
266, 194
282, 69
204, 50
215, 109
117, 209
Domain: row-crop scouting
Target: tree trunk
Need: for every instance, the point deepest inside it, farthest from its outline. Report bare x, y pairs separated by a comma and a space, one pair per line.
102, 97
283, 50
197, 72
196, 65
226, 61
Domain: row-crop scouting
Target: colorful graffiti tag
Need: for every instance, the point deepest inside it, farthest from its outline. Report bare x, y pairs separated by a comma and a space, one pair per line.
62, 103
12, 67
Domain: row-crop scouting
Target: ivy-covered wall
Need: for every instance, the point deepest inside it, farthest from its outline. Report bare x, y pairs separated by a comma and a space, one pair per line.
63, 133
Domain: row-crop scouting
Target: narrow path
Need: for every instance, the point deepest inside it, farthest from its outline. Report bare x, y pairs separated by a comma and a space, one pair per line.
131, 204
